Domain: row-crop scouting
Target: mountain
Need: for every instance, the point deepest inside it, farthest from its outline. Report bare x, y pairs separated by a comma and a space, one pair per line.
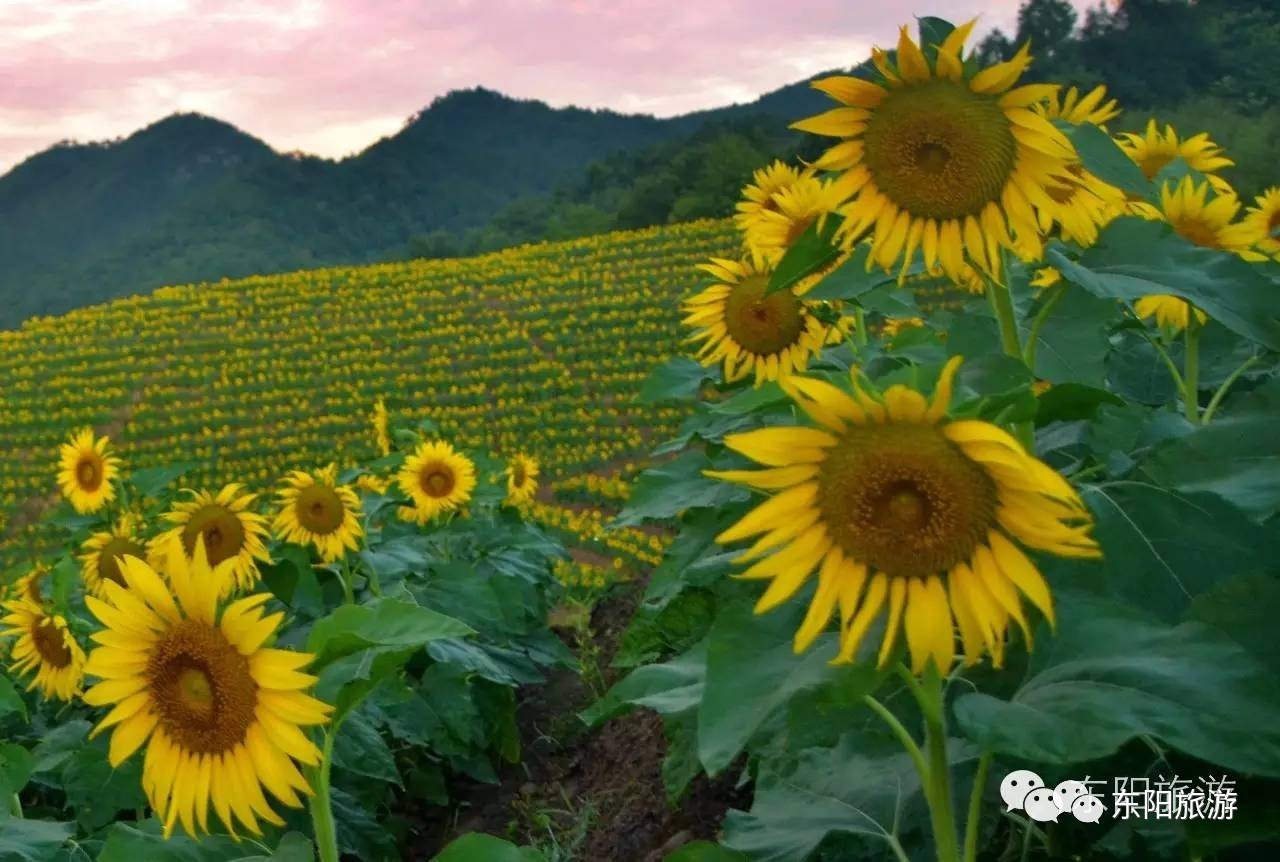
192, 198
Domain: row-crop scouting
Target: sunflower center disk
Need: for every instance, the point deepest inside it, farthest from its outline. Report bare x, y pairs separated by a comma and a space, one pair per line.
50, 644
518, 476
764, 325
904, 500
223, 533
939, 150
202, 688
1196, 231
88, 474
319, 509
437, 480
1153, 163
109, 558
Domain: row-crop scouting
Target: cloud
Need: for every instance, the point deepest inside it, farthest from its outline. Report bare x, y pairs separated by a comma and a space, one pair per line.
331, 76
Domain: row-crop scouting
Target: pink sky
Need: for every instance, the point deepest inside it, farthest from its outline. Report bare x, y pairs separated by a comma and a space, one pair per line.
332, 76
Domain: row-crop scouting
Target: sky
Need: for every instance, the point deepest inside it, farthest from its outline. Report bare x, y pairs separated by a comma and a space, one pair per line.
330, 77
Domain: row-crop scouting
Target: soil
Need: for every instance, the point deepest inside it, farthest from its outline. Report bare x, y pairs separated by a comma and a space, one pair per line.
596, 794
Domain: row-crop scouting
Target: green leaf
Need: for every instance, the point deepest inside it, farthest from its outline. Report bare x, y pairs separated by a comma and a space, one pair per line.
813, 251
149, 482
58, 744
1112, 674
359, 748
96, 792
1236, 456
1245, 608
477, 847
752, 400
127, 843
667, 490
669, 688
1068, 402
1072, 345
10, 700
678, 379
388, 622
753, 672
705, 851
37, 840
16, 766
1105, 160
851, 279
680, 765
933, 32
1134, 258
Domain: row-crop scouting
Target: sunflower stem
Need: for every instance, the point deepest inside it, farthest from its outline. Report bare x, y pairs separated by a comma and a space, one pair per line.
1226, 387
903, 735
15, 806
322, 823
860, 326
348, 592
1002, 307
1191, 369
941, 811
1037, 323
973, 821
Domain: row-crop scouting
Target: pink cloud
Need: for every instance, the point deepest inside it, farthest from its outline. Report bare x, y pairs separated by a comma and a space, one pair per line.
331, 76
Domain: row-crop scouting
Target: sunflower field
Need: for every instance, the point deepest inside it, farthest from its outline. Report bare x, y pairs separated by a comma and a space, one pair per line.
938, 489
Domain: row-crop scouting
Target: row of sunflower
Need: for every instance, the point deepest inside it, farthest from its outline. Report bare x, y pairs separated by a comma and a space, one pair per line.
248, 663
972, 482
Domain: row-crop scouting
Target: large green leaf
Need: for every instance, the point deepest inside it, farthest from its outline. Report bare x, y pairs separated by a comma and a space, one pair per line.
814, 250
1236, 456
677, 379
387, 622
128, 843
1072, 345
10, 700
1134, 258
669, 688
1112, 674
16, 766
150, 481
705, 851
851, 279
1106, 160
38, 840
753, 672
477, 847
667, 490
361, 749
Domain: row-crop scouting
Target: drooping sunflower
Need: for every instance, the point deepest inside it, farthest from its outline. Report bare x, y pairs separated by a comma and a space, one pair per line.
316, 510
381, 426
1153, 150
228, 529
770, 336
189, 678
86, 470
522, 479
796, 206
437, 478
1262, 222
1202, 217
44, 645
31, 585
901, 510
940, 159
103, 552
757, 195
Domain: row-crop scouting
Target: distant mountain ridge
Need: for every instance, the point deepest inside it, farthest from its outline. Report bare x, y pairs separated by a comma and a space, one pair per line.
193, 198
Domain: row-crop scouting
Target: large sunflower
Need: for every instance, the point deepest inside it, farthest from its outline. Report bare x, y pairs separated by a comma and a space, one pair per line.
219, 713
941, 159
316, 510
522, 479
227, 528
796, 206
1262, 222
898, 507
770, 336
86, 470
1205, 218
103, 552
44, 645
436, 478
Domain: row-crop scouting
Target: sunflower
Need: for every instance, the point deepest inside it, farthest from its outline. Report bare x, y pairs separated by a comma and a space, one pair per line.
1077, 109
893, 325
1202, 218
1153, 150
44, 645
522, 479
896, 506
437, 478
219, 713
86, 471
945, 160
796, 206
31, 585
103, 552
1262, 222
757, 196
316, 510
770, 335
1046, 276
228, 529
371, 483
381, 423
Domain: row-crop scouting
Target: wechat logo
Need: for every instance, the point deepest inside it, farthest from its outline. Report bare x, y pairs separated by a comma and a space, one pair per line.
1023, 790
